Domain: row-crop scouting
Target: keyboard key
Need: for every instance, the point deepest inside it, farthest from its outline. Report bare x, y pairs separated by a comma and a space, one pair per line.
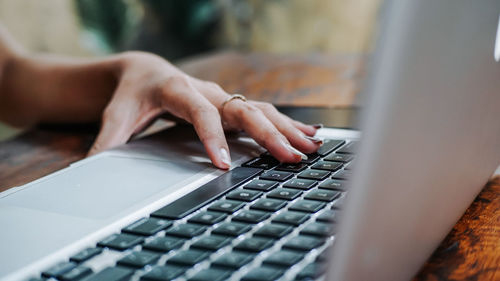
328, 146
343, 158
120, 241
349, 148
254, 244
187, 230
211, 274
211, 243
311, 158
303, 184
226, 206
208, 218
339, 203
291, 167
147, 226
163, 273
58, 269
188, 257
263, 162
314, 174
333, 185
262, 185
233, 260
273, 230
251, 216
327, 166
244, 195
111, 274
307, 206
276, 175
323, 195
342, 175
206, 193
231, 229
318, 229
284, 258
323, 256
76, 273
270, 205
327, 216
349, 165
311, 272
284, 193
139, 259
85, 254
303, 243
292, 218
164, 244
263, 274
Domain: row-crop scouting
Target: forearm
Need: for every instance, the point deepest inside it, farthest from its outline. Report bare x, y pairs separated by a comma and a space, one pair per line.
45, 88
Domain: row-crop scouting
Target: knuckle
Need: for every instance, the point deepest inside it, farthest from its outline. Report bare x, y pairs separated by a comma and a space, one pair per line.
201, 110
247, 109
178, 81
213, 86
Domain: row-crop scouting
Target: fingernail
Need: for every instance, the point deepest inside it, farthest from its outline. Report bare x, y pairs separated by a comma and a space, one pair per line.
224, 156
295, 151
314, 139
317, 126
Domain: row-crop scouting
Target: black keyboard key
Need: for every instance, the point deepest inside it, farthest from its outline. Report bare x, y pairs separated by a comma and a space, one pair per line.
311, 158
231, 229
322, 195
211, 274
314, 174
111, 274
263, 273
147, 226
333, 185
76, 273
329, 145
164, 244
270, 205
85, 254
226, 206
139, 259
264, 162
343, 158
284, 258
211, 243
208, 218
284, 193
318, 229
120, 241
342, 175
307, 206
233, 260
206, 193
311, 272
327, 166
303, 184
251, 216
244, 195
291, 167
276, 175
327, 216
187, 230
274, 230
262, 185
292, 218
188, 257
303, 243
349, 148
254, 244
58, 269
163, 273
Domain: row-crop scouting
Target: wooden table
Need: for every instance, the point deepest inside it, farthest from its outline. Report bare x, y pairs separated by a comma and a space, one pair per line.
471, 251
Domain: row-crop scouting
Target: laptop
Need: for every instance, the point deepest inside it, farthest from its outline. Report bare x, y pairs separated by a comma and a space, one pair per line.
365, 207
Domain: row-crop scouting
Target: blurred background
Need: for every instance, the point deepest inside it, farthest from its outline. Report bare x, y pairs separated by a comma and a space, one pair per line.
179, 29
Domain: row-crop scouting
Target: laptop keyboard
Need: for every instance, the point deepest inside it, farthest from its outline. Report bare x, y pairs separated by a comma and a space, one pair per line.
261, 221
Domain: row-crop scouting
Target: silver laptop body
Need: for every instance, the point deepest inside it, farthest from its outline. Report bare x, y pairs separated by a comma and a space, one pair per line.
431, 140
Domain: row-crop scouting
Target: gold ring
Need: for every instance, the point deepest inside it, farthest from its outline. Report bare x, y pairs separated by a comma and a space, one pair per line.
230, 98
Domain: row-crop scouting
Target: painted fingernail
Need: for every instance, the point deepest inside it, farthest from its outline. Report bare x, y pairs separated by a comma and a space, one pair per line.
317, 126
295, 151
224, 156
314, 139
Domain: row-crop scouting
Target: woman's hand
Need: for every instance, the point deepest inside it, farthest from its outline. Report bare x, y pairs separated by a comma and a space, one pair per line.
148, 86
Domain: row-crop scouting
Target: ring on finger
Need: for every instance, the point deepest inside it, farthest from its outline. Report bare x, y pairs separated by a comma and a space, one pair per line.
229, 99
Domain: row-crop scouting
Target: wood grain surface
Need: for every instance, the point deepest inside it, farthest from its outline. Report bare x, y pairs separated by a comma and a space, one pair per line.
471, 251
